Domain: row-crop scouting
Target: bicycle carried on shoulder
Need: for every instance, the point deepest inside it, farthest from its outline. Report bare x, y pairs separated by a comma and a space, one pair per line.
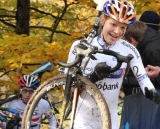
10, 117
75, 85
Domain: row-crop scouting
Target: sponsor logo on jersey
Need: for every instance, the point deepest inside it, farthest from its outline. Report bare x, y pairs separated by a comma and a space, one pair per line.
117, 74
114, 58
74, 52
132, 48
105, 86
142, 77
49, 114
35, 113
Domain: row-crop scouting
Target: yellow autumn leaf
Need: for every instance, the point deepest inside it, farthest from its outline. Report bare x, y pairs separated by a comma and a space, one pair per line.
11, 60
15, 65
144, 8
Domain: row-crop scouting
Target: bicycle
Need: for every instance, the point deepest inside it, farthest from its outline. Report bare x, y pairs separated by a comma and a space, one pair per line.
13, 118
75, 85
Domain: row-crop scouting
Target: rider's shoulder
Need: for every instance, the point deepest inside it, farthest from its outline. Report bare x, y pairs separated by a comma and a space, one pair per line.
76, 42
43, 102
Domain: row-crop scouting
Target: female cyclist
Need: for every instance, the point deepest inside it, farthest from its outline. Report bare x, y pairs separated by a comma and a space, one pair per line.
28, 83
117, 15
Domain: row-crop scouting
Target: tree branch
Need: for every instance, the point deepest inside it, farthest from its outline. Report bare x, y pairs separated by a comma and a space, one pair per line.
47, 28
42, 12
8, 24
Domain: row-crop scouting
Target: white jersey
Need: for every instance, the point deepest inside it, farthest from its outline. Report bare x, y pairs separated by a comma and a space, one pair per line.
43, 107
110, 86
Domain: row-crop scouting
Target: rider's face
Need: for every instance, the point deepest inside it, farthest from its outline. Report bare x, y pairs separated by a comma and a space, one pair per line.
113, 30
26, 93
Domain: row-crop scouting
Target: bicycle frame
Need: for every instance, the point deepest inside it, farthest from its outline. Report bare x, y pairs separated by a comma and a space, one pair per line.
85, 49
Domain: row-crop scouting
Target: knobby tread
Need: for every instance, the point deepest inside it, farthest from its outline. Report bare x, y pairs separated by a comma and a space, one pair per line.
41, 90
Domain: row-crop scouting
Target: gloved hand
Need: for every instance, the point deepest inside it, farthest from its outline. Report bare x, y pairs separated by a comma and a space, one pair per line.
152, 94
101, 71
10, 124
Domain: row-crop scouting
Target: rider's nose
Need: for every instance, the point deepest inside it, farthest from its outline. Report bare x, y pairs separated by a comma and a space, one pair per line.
117, 30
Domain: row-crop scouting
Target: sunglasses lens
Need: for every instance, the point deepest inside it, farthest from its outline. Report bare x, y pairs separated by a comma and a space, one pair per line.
31, 91
24, 91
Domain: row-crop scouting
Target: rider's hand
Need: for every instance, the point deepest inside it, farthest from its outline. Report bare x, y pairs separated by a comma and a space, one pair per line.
101, 71
152, 94
10, 124
3, 125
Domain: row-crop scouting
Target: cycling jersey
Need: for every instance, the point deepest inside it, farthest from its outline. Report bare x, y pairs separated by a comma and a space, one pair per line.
111, 85
42, 107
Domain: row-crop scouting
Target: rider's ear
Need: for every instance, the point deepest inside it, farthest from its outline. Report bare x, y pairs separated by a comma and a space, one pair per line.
133, 41
102, 19
20, 91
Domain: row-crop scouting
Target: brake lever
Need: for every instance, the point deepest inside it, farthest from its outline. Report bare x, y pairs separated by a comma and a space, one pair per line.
93, 57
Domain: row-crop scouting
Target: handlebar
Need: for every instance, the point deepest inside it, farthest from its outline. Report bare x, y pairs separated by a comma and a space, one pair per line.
120, 58
86, 50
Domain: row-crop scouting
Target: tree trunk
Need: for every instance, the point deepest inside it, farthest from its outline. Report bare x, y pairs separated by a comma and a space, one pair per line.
23, 17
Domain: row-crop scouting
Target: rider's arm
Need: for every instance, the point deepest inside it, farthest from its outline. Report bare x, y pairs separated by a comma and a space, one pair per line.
48, 113
52, 122
72, 53
142, 77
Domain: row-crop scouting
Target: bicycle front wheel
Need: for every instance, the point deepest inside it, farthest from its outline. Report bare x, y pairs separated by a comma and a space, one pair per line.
90, 96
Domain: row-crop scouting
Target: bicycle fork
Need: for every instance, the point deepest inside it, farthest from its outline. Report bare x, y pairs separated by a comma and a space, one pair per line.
66, 98
74, 106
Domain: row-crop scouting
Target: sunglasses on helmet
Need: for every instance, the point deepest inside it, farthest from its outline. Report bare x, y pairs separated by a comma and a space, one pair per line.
24, 91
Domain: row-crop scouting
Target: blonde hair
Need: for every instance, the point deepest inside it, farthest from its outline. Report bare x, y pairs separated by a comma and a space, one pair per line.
103, 18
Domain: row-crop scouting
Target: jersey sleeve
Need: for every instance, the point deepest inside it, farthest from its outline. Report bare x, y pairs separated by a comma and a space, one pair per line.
48, 113
139, 70
72, 52
71, 55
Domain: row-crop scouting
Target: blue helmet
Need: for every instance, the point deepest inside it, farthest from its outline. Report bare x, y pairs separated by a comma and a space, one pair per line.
29, 81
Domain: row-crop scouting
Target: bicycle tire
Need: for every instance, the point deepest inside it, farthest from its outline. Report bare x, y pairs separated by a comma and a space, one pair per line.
91, 88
